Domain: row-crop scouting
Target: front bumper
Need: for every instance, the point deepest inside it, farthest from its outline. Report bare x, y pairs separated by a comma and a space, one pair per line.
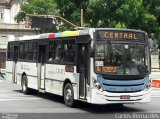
103, 97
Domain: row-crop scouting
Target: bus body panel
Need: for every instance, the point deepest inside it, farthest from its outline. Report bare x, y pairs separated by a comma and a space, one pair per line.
55, 75
53, 71
42, 80
30, 69
9, 69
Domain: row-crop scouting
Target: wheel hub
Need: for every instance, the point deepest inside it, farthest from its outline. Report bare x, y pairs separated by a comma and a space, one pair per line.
68, 94
24, 86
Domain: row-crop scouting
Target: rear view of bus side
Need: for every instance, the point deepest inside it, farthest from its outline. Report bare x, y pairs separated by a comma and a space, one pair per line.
96, 65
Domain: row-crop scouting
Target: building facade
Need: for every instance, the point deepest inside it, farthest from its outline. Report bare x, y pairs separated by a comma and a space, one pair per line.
9, 28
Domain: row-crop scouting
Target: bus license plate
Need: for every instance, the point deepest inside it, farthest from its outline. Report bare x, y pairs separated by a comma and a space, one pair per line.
125, 97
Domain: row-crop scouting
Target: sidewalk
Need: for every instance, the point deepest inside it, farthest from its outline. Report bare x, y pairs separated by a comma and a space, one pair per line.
155, 92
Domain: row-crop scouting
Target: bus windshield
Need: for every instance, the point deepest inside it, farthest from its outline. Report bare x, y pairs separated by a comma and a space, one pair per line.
121, 59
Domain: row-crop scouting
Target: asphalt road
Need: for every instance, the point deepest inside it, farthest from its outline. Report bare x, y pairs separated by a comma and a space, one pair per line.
15, 105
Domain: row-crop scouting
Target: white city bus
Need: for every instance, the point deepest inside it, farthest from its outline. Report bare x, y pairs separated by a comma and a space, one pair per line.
96, 65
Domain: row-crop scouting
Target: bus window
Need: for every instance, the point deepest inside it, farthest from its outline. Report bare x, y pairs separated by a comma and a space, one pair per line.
10, 51
68, 51
32, 51
21, 51
57, 53
25, 51
15, 57
54, 51
121, 59
35, 47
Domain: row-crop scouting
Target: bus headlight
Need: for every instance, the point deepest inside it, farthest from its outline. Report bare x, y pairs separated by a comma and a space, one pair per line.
148, 85
97, 84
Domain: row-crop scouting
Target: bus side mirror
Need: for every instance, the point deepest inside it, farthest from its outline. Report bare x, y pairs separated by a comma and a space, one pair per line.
91, 52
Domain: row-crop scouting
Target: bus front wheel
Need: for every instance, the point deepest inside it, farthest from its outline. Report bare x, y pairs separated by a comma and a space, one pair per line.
25, 88
68, 95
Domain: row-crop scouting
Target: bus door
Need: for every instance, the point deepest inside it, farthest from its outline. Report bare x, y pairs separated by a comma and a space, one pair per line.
15, 58
41, 67
82, 68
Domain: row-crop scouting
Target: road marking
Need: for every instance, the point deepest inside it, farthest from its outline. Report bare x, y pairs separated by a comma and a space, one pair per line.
7, 95
14, 99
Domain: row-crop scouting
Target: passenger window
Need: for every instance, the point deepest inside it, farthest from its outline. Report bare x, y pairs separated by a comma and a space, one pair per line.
25, 51
21, 51
54, 51
10, 51
68, 50
32, 51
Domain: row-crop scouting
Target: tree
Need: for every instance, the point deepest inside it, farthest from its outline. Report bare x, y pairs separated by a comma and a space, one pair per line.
37, 7
153, 7
134, 14
102, 13
70, 10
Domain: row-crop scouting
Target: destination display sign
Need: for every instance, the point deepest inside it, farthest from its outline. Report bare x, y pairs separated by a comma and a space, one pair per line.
120, 35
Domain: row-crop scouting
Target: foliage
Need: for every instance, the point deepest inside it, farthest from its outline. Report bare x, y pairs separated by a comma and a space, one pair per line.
37, 7
134, 14
70, 10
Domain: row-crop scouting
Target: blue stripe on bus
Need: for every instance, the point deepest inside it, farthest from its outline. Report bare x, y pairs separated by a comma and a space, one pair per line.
123, 85
124, 88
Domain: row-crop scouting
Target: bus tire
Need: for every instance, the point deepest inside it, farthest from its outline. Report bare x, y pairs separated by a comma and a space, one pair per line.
68, 95
25, 88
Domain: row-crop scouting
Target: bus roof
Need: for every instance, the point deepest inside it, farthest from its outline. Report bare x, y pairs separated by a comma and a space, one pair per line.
55, 35
86, 31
